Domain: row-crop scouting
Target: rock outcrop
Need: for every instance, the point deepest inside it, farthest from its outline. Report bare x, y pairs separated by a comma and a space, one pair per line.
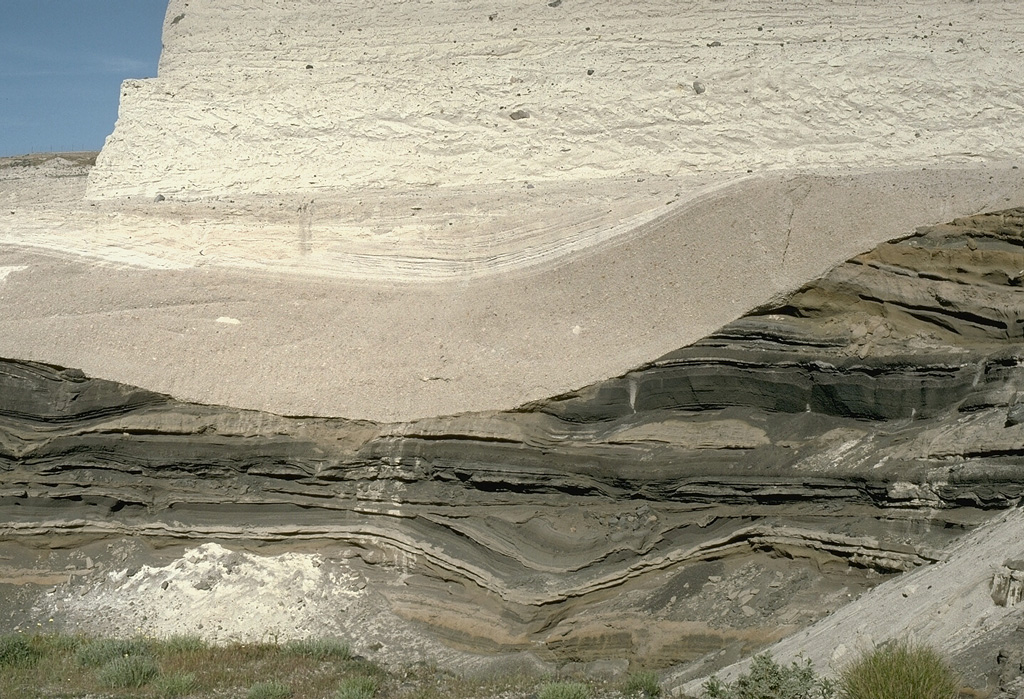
373, 251
719, 497
262, 97
948, 606
301, 311
1008, 584
348, 183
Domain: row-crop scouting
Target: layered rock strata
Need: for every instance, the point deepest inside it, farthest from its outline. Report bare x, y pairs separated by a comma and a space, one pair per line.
375, 309
329, 209
856, 427
956, 607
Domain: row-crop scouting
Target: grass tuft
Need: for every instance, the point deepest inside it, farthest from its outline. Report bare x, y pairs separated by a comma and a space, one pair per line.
357, 688
56, 643
129, 672
183, 644
16, 651
175, 685
269, 690
101, 651
899, 670
643, 683
564, 690
319, 649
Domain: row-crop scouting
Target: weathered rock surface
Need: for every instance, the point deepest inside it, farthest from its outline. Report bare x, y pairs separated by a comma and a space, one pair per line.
265, 97
720, 497
953, 606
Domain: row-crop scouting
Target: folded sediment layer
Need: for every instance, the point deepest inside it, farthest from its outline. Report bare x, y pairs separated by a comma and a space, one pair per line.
418, 209
855, 426
139, 304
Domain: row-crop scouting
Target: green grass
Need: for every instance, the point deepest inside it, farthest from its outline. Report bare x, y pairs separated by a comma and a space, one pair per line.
182, 667
564, 690
269, 690
15, 651
174, 685
357, 688
184, 644
129, 672
644, 684
319, 649
59, 643
101, 651
899, 670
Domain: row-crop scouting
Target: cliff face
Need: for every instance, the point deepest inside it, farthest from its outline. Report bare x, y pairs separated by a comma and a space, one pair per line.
260, 97
855, 428
494, 202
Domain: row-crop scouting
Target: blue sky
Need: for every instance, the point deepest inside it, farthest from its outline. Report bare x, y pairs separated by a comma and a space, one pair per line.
61, 67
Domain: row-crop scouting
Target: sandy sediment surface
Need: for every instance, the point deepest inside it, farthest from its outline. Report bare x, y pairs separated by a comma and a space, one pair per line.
390, 349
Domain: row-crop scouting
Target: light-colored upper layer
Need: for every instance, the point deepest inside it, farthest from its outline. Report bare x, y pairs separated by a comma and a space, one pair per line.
397, 350
375, 236
262, 96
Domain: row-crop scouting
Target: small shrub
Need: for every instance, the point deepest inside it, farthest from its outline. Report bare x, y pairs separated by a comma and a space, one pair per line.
175, 685
15, 651
899, 670
767, 679
642, 683
102, 651
269, 690
564, 690
129, 672
357, 688
319, 649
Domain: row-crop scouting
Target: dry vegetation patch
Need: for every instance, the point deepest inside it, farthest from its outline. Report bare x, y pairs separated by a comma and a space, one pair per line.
33, 667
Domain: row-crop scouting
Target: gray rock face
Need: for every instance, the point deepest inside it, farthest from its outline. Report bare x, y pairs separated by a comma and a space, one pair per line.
717, 498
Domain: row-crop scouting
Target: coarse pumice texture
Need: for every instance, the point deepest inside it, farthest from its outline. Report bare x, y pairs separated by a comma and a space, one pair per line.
222, 596
262, 97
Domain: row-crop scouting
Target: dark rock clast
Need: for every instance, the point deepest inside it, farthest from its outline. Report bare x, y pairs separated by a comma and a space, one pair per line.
719, 497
